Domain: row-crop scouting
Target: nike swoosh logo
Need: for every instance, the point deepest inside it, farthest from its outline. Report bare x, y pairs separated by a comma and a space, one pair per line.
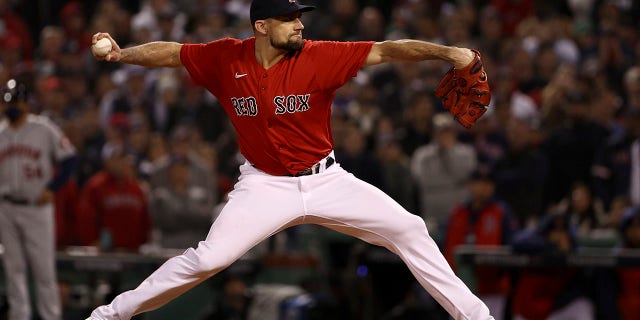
238, 76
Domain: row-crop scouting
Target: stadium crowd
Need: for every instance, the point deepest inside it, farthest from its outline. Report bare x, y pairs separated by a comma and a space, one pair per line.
554, 163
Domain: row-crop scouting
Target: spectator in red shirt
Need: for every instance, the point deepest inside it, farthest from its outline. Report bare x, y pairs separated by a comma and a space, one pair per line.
483, 221
113, 211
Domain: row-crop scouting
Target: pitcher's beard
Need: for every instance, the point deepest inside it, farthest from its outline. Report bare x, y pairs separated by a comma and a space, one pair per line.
290, 45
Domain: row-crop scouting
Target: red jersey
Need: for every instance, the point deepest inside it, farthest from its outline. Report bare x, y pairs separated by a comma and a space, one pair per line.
488, 230
281, 114
118, 206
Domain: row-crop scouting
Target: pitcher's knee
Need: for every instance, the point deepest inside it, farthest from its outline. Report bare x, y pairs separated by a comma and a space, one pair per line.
411, 227
208, 258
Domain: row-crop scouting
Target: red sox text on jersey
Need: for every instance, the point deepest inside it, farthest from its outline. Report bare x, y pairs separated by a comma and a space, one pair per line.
279, 113
289, 104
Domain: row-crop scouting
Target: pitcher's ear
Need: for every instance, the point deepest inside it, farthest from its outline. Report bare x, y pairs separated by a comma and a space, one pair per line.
261, 26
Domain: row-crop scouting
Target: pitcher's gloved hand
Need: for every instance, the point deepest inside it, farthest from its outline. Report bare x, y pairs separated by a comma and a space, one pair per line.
465, 92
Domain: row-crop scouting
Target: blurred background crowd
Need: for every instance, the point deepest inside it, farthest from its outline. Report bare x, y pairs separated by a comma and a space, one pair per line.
554, 164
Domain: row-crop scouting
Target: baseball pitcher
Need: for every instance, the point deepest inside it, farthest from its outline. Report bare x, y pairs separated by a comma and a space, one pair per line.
277, 89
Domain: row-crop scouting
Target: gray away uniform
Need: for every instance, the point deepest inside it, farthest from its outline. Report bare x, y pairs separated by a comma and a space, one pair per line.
27, 158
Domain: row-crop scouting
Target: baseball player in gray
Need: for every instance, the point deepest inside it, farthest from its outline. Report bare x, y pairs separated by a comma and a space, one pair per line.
30, 148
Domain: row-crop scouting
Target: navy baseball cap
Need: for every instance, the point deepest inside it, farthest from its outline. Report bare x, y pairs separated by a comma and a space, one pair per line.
263, 9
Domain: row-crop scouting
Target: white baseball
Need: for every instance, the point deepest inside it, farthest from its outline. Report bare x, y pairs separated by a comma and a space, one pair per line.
102, 47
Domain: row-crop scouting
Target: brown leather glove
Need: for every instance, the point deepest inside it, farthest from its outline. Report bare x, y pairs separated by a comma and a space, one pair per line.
465, 92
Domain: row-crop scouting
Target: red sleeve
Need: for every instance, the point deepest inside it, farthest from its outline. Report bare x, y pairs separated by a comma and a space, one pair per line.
337, 62
203, 61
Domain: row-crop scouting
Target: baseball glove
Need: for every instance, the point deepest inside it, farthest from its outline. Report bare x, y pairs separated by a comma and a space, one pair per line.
465, 92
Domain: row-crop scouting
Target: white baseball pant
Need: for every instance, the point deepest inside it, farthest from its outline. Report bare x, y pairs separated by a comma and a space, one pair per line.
261, 205
28, 236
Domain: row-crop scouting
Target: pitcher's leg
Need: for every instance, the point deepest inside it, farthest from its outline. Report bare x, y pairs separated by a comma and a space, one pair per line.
39, 244
354, 207
15, 267
257, 208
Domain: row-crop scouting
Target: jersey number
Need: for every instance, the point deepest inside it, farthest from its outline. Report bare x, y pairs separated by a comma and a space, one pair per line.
32, 172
